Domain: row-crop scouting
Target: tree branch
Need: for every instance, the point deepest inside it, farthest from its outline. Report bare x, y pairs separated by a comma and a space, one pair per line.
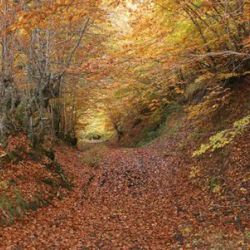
221, 53
82, 32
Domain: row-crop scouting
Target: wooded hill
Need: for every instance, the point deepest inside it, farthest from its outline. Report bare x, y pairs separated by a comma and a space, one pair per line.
155, 94
125, 60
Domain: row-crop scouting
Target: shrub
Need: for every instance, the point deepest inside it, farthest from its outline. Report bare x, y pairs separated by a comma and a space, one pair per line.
221, 139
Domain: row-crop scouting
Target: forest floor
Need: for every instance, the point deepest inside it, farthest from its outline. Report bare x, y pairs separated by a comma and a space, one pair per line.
133, 199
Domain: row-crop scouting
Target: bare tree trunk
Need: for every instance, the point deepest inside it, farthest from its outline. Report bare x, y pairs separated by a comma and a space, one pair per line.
6, 79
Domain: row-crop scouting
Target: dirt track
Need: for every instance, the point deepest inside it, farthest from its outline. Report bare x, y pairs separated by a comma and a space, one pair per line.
135, 199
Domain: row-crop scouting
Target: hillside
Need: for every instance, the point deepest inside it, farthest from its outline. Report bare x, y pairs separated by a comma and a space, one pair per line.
125, 124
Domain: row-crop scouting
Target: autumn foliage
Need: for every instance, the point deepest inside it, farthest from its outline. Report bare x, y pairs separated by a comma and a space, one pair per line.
154, 94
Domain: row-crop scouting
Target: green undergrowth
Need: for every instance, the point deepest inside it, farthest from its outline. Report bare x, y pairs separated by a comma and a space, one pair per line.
223, 138
32, 189
14, 206
161, 127
13, 203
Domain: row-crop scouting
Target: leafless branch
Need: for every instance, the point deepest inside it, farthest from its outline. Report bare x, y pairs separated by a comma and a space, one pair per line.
221, 53
83, 30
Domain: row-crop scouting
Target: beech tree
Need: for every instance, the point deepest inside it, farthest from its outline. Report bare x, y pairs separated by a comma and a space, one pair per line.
53, 51
40, 41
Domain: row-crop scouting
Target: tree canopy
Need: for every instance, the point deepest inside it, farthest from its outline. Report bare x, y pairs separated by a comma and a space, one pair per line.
62, 60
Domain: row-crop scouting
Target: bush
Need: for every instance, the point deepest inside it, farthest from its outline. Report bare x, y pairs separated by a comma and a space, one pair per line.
221, 139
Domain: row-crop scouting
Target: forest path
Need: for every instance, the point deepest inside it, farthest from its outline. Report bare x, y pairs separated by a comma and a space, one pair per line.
135, 199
